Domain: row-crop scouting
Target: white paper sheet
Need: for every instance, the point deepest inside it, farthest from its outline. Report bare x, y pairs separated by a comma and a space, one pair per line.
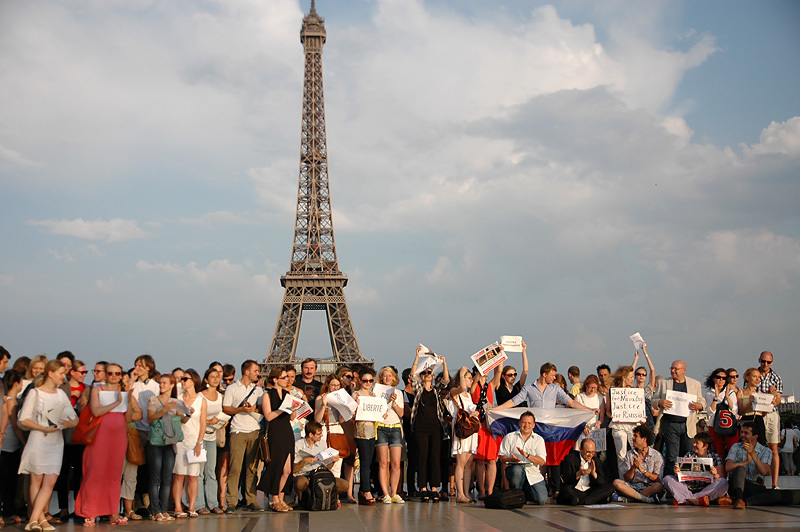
680, 403
512, 344
638, 341
109, 398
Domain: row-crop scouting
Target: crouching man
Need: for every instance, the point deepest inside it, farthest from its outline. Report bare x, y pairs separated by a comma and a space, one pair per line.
584, 478
305, 460
524, 453
641, 470
697, 492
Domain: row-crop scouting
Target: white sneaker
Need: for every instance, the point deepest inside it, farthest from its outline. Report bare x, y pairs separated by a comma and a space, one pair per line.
397, 499
387, 499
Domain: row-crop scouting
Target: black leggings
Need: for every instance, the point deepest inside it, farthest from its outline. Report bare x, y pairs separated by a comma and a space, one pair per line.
429, 449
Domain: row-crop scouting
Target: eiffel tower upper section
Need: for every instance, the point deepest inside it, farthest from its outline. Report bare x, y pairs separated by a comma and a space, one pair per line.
314, 249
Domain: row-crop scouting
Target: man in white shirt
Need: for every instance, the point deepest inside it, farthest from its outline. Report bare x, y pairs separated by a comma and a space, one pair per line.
239, 402
305, 459
524, 453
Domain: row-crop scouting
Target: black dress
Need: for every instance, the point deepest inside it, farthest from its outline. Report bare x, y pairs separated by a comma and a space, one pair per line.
281, 445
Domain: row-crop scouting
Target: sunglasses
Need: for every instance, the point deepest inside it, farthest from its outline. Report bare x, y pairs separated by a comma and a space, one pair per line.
113, 373
426, 372
733, 376
641, 374
511, 374
84, 372
98, 371
185, 379
765, 361
367, 380
347, 376
228, 379
720, 377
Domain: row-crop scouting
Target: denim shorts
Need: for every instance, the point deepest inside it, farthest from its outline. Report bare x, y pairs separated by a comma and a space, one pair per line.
391, 436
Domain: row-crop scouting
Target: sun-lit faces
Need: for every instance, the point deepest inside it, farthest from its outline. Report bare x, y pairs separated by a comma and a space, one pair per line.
37, 368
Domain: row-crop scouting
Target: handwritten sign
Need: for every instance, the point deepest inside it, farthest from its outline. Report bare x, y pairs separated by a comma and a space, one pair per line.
341, 401
627, 405
371, 409
680, 403
762, 402
488, 358
638, 341
512, 344
427, 360
599, 438
381, 390
107, 398
695, 469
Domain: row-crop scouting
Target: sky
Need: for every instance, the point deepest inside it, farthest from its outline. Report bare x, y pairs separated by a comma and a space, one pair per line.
572, 172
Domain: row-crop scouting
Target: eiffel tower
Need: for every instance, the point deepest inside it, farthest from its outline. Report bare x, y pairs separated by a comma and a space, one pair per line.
314, 281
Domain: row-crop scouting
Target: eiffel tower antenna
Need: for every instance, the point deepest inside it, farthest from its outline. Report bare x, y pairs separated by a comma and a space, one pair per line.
314, 281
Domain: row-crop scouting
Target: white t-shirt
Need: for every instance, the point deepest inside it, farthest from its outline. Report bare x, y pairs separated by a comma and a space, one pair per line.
534, 445
142, 392
234, 395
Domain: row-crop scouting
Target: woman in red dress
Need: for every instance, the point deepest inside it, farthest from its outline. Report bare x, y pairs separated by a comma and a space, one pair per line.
104, 458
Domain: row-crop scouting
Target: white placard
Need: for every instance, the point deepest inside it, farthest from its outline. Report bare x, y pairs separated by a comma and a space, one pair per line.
381, 390
61, 412
695, 469
680, 403
431, 362
291, 403
627, 405
109, 398
194, 459
599, 438
512, 344
638, 341
488, 358
371, 409
762, 402
341, 401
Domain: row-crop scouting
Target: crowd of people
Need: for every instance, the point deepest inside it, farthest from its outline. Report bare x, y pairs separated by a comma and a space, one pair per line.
141, 443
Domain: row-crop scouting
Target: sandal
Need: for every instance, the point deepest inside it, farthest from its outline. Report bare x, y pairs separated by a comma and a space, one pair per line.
134, 516
278, 507
218, 510
89, 522
46, 526
204, 511
192, 514
118, 521
181, 515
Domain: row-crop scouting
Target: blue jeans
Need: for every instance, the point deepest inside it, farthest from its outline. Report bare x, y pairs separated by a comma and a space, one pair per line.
207, 494
518, 480
160, 461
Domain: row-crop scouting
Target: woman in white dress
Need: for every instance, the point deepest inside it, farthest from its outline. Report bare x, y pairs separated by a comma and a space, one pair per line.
622, 431
42, 455
207, 498
193, 431
463, 448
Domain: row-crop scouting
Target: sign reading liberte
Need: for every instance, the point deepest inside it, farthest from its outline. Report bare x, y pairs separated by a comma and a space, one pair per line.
371, 409
627, 405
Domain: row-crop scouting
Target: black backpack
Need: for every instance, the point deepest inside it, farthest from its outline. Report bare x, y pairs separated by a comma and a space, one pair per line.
505, 500
725, 423
322, 494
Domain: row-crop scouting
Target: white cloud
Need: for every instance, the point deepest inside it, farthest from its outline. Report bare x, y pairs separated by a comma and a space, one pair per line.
167, 267
112, 231
104, 286
12, 158
779, 137
61, 257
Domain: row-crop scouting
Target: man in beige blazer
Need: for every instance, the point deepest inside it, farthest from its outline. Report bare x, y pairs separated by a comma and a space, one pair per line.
678, 431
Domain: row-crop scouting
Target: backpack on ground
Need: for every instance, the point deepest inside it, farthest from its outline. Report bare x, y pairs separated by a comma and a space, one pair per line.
505, 500
322, 494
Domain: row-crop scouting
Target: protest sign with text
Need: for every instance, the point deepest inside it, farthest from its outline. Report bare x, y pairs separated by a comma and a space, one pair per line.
762, 402
427, 360
488, 358
599, 438
371, 409
680, 403
638, 341
381, 390
343, 403
627, 404
512, 344
695, 469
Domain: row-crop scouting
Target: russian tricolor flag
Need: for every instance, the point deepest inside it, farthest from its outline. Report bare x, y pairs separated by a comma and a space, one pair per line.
559, 427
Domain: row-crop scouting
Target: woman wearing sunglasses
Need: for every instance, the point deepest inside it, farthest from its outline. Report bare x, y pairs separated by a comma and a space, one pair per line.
365, 439
720, 391
193, 431
103, 460
429, 427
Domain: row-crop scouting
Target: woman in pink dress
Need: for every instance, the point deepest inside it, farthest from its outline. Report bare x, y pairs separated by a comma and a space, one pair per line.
104, 458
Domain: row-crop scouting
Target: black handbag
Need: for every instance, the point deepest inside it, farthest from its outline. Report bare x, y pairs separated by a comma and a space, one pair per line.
725, 423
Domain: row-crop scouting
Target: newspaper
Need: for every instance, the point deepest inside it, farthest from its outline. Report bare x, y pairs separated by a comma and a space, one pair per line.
291, 403
488, 358
695, 469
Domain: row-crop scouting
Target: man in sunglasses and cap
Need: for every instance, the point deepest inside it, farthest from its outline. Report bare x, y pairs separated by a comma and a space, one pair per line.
771, 383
